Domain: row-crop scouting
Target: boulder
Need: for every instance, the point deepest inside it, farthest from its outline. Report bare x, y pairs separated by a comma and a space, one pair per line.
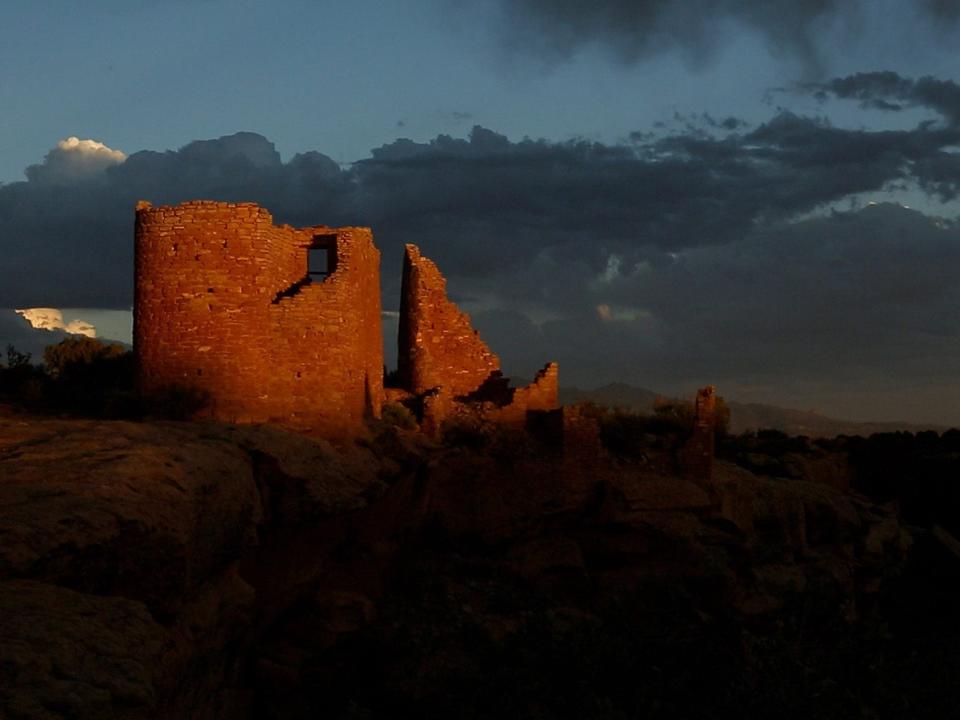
65, 654
130, 509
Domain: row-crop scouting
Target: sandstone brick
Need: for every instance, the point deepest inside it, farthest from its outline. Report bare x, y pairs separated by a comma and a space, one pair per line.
267, 327
437, 344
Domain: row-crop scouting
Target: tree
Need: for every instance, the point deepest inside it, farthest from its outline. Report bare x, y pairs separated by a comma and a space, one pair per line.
15, 358
79, 353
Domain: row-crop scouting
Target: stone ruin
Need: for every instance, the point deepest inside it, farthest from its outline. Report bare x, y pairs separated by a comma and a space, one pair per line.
696, 456
279, 324
442, 359
270, 324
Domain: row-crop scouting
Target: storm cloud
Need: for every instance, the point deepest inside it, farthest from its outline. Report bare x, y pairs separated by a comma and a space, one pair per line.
819, 313
889, 91
637, 29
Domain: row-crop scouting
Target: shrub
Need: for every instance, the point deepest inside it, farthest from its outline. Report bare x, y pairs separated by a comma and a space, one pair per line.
90, 377
398, 415
672, 415
21, 382
464, 432
15, 358
627, 434
79, 355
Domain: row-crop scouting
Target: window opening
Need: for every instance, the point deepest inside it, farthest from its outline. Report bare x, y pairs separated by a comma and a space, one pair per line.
322, 258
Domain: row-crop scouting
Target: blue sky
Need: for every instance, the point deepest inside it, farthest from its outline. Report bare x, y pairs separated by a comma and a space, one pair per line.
642, 240
347, 77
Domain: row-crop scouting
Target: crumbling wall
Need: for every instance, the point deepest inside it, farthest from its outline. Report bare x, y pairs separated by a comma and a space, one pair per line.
696, 456
569, 431
224, 306
438, 347
541, 394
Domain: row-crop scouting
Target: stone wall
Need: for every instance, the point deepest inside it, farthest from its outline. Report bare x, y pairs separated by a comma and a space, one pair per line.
569, 431
224, 305
438, 347
541, 394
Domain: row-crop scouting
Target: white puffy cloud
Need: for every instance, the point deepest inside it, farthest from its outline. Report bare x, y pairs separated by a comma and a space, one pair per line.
52, 319
91, 147
74, 160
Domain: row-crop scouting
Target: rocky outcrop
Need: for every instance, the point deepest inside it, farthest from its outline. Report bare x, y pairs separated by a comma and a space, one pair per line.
140, 511
214, 571
69, 654
120, 550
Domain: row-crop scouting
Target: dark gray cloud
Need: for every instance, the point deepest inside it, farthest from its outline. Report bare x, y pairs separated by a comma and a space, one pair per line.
850, 313
862, 292
887, 90
930, 148
637, 29
946, 10
812, 313
670, 259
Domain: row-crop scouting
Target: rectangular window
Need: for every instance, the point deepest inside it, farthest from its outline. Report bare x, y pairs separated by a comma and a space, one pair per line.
322, 257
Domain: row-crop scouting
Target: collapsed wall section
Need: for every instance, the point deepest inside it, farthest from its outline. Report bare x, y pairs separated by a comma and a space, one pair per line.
540, 395
225, 305
438, 346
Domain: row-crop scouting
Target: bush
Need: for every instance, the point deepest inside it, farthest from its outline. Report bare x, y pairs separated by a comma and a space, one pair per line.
78, 355
673, 416
80, 375
20, 382
464, 432
397, 415
90, 377
626, 434
15, 358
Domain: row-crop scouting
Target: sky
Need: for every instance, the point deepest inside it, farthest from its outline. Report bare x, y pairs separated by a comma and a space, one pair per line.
758, 194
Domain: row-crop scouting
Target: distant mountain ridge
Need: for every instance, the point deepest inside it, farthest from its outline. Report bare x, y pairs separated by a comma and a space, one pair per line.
745, 416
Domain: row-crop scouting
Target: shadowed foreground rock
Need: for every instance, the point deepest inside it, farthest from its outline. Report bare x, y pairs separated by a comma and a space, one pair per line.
212, 571
74, 655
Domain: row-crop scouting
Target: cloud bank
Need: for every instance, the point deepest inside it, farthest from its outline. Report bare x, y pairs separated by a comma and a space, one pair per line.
668, 261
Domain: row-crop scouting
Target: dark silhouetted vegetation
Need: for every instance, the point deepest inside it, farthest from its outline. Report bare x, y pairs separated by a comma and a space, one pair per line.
919, 471
90, 377
766, 452
86, 377
633, 435
79, 376
501, 442
398, 415
21, 383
